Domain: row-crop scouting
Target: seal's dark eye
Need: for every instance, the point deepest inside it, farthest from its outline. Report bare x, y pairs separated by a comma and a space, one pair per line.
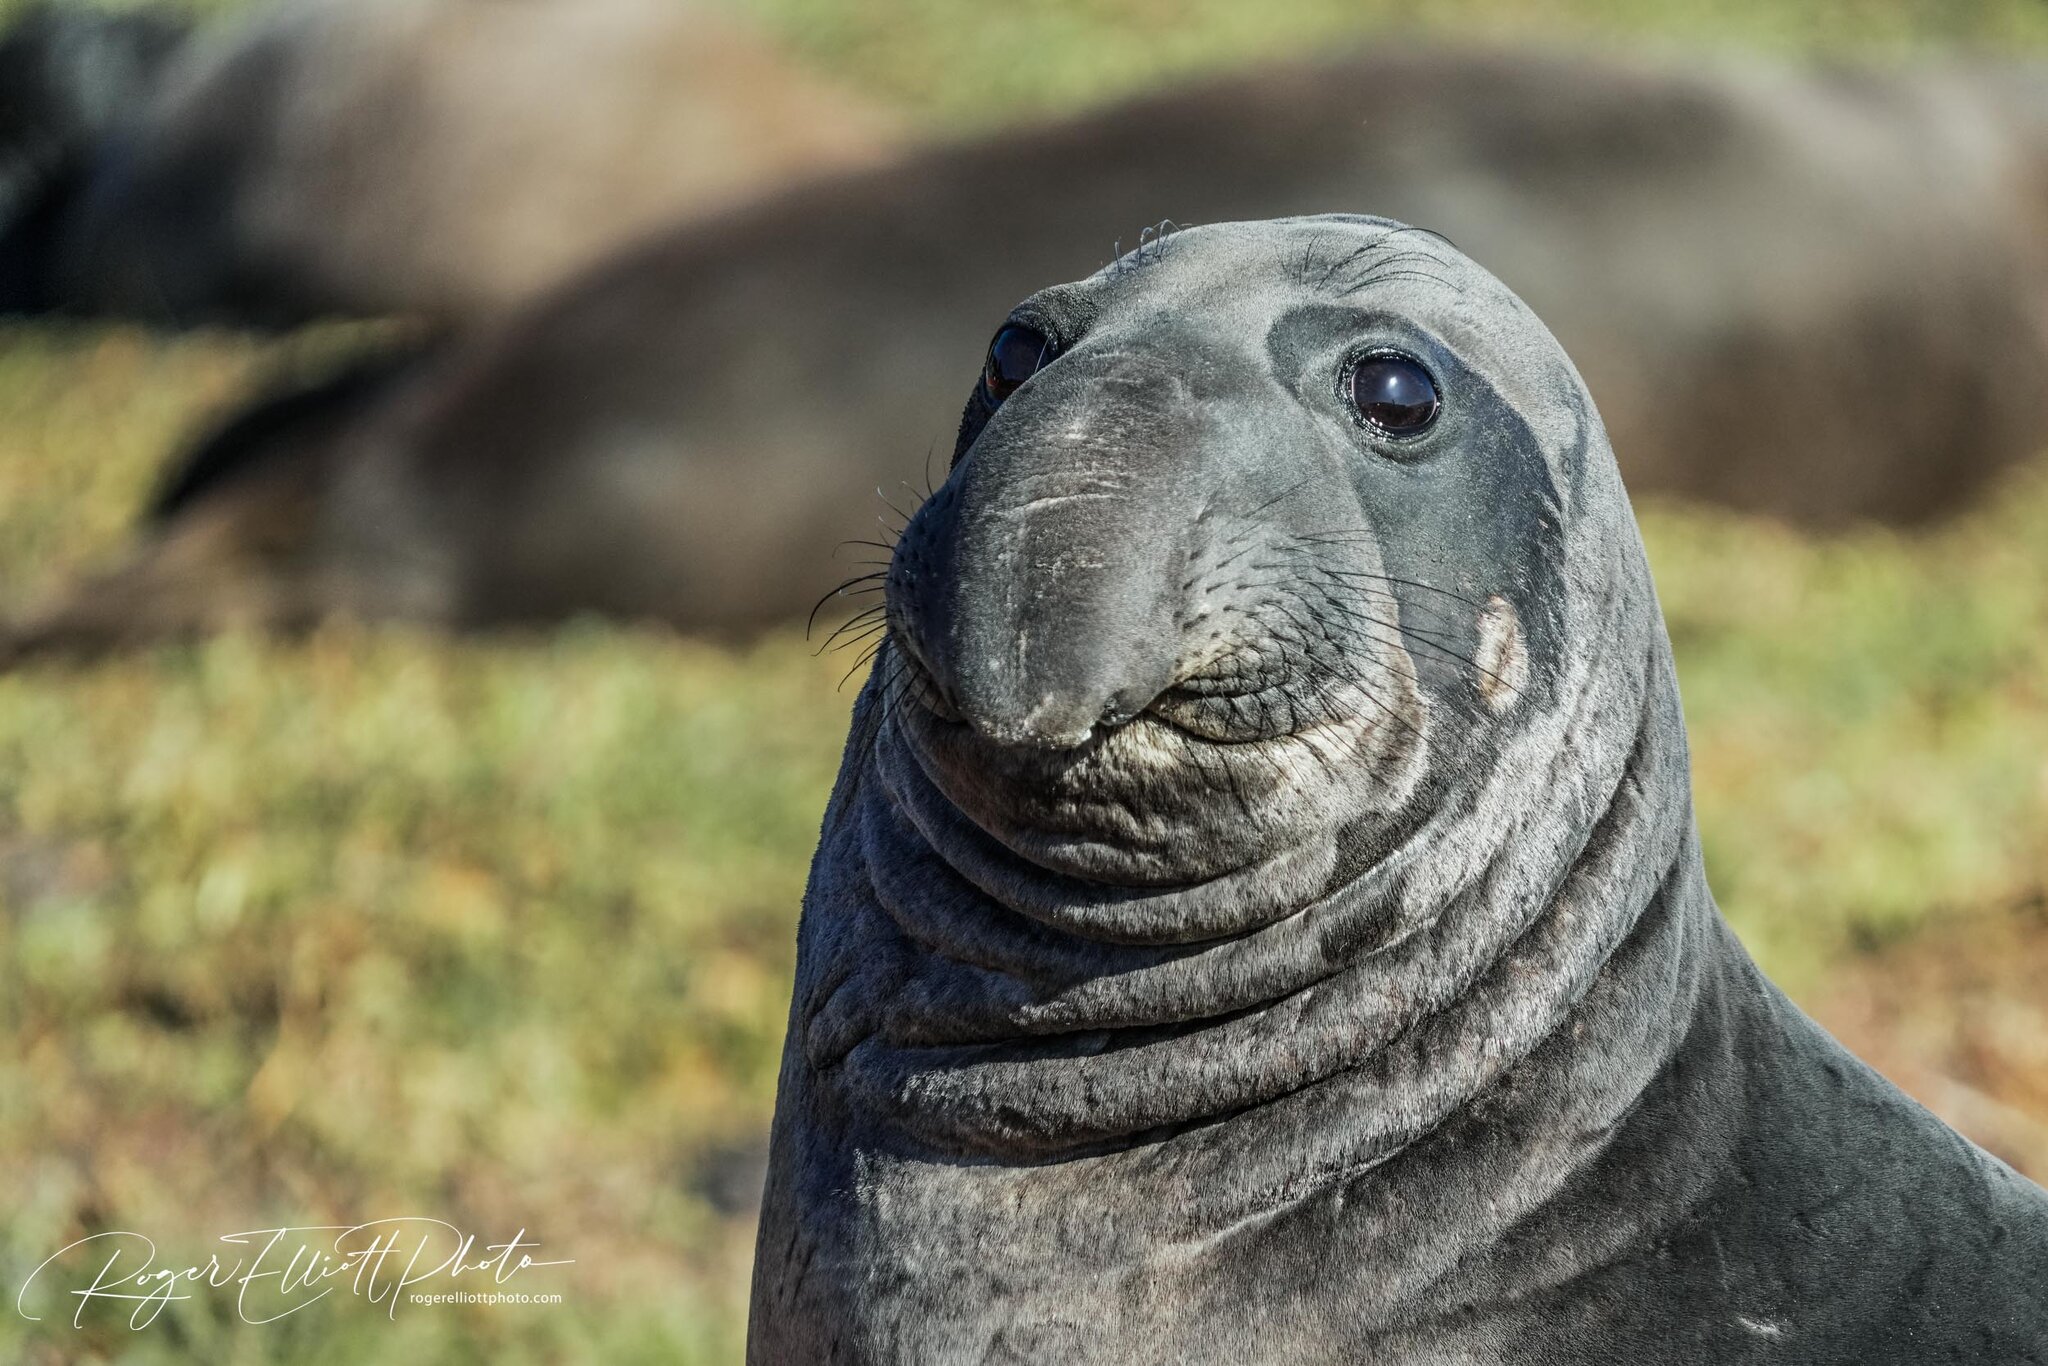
1393, 393
1013, 357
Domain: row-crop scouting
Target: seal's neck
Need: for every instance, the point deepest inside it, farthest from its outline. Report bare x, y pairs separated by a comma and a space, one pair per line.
962, 1010
1363, 1103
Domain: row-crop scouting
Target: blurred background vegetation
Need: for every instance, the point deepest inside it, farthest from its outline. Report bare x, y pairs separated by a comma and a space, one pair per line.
500, 929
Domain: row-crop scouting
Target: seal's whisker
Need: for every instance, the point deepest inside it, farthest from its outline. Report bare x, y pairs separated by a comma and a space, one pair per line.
1383, 578
900, 513
1433, 615
1345, 577
1307, 254
866, 657
1388, 260
847, 636
1413, 636
888, 689
856, 625
1398, 258
844, 589
1383, 276
1280, 497
1428, 232
1344, 262
1342, 664
1248, 548
1436, 638
870, 620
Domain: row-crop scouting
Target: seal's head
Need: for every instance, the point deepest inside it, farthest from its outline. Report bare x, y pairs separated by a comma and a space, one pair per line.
1254, 535
1276, 663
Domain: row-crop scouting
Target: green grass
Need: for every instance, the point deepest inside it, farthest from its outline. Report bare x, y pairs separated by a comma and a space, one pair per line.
1869, 719
969, 65
376, 924
498, 930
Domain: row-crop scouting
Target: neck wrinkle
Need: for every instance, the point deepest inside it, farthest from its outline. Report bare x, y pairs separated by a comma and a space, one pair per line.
1454, 974
1652, 1125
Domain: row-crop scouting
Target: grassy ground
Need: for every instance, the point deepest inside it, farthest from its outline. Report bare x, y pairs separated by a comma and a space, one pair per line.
499, 930
969, 64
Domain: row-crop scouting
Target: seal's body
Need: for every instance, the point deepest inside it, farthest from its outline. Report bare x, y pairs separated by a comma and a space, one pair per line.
1819, 295
441, 157
1260, 917
71, 77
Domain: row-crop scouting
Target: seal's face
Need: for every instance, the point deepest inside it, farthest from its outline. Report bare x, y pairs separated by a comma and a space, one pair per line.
1247, 537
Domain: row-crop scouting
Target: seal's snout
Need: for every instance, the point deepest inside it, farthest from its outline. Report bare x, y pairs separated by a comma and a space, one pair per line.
1041, 588
1058, 695
1059, 720
1039, 631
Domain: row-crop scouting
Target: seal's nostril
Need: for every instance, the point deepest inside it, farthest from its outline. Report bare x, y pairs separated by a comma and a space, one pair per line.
1124, 706
1057, 722
1060, 722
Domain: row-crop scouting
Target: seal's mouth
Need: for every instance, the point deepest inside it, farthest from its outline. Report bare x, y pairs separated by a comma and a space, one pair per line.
1228, 711
1230, 701
1217, 773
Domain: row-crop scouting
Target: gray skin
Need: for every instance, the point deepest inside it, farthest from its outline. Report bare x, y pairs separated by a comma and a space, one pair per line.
1814, 293
1260, 916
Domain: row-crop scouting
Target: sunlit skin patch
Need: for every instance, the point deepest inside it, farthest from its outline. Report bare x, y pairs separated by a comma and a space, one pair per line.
1502, 659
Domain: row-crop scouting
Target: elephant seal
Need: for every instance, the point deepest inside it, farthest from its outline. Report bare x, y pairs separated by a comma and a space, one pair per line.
1816, 294
436, 157
1260, 915
70, 78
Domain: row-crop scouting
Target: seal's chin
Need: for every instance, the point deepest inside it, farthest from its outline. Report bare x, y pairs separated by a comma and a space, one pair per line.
1202, 783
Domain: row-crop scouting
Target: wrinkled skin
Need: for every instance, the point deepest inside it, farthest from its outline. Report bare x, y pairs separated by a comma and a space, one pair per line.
1260, 917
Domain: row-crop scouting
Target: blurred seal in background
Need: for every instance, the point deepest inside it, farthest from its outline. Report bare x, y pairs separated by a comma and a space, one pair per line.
1814, 293
71, 79
441, 157
1260, 915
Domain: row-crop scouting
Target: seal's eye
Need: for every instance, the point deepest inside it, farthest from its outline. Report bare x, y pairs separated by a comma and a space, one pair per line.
1014, 356
1393, 393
